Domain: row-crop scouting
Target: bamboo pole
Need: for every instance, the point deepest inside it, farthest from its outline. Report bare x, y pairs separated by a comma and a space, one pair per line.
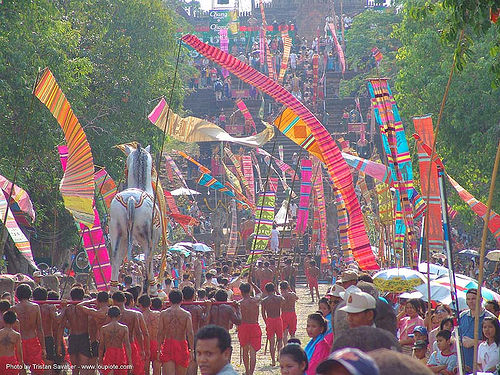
481, 256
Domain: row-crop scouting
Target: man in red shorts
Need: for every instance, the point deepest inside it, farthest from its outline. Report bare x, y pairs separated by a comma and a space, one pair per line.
152, 317
114, 337
271, 313
174, 326
288, 314
266, 276
249, 333
30, 321
10, 345
312, 279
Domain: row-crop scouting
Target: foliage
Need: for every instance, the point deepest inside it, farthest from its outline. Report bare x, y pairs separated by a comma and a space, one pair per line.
112, 59
372, 28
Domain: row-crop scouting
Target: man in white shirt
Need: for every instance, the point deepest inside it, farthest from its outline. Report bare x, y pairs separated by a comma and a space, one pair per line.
275, 239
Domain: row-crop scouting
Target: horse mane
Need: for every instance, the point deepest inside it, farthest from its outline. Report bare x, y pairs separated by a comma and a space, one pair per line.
140, 164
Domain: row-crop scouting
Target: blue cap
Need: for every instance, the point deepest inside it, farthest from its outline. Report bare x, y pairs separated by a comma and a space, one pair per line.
420, 329
353, 360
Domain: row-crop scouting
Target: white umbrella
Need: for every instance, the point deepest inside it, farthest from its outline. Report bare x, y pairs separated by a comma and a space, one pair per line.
201, 247
433, 269
441, 293
187, 245
493, 255
184, 191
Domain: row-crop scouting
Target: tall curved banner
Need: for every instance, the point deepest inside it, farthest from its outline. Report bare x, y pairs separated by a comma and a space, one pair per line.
326, 146
77, 184
19, 195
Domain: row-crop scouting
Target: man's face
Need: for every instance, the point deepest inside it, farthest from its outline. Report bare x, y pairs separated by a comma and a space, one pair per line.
442, 343
419, 336
363, 318
470, 299
419, 353
209, 357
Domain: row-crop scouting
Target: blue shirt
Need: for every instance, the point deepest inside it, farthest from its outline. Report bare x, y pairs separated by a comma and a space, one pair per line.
438, 359
466, 328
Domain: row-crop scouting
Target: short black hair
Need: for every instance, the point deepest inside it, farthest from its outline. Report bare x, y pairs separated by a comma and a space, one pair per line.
134, 292
23, 291
296, 353
270, 287
444, 321
318, 318
156, 304
187, 292
215, 332
4, 305
496, 307
185, 276
40, 293
244, 288
284, 285
127, 280
103, 296
128, 298
52, 295
444, 334
144, 301
9, 317
118, 296
175, 296
221, 295
114, 312
77, 294
201, 293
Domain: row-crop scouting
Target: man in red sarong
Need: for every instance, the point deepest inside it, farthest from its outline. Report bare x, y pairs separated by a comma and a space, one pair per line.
10, 344
249, 333
271, 313
288, 314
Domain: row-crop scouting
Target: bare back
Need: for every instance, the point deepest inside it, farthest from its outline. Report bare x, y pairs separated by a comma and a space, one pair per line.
114, 335
224, 316
9, 339
289, 301
78, 322
174, 323
28, 314
152, 318
249, 307
196, 312
48, 315
130, 319
272, 305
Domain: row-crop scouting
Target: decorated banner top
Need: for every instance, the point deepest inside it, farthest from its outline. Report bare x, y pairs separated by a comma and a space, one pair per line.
19, 195
77, 184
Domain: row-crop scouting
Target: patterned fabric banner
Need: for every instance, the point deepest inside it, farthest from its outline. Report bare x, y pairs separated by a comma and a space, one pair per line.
232, 178
287, 46
320, 205
170, 200
321, 140
305, 193
176, 170
340, 51
280, 163
273, 184
239, 169
200, 166
94, 242
77, 184
224, 46
264, 217
398, 156
423, 126
478, 207
246, 114
315, 63
257, 168
105, 186
343, 221
209, 181
192, 129
246, 163
233, 236
17, 235
281, 155
19, 195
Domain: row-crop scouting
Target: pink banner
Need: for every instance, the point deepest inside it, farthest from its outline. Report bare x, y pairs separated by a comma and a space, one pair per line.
224, 46
305, 192
340, 52
93, 241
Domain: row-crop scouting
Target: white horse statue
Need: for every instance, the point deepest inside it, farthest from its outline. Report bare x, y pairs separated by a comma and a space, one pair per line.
131, 216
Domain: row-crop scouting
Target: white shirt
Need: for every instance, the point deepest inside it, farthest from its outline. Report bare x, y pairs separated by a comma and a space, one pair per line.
487, 355
274, 236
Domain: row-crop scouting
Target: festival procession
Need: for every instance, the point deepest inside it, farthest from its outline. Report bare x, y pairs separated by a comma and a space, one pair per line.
250, 187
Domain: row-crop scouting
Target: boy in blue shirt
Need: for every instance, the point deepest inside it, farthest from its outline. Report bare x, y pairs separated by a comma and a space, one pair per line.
443, 361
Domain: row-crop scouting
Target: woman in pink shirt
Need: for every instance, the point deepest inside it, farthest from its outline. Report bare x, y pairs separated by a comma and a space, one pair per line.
408, 323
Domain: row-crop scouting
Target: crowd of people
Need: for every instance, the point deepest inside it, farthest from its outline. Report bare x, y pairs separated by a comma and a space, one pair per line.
354, 329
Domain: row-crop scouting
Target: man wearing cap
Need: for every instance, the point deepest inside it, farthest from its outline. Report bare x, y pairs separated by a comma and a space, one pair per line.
334, 296
360, 309
466, 326
37, 278
348, 361
349, 278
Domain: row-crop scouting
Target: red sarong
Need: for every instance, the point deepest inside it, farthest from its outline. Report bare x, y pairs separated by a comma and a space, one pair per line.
175, 351
115, 360
9, 365
32, 355
312, 282
250, 334
137, 360
289, 319
153, 350
274, 326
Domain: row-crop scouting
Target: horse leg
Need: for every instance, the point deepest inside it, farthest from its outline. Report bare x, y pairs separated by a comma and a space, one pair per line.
117, 255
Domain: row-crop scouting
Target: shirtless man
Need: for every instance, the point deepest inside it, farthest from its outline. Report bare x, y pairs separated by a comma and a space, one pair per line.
249, 332
144, 345
131, 319
271, 313
78, 324
175, 325
312, 279
185, 282
49, 323
30, 323
288, 274
257, 273
153, 318
198, 317
224, 315
114, 336
288, 314
198, 271
266, 276
10, 345
209, 281
97, 318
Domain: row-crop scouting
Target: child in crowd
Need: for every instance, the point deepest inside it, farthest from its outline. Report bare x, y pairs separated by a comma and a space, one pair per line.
326, 311
318, 348
443, 361
293, 360
420, 351
487, 353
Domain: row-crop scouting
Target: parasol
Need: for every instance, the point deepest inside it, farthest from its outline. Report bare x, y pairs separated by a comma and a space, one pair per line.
397, 280
493, 255
201, 247
184, 191
469, 253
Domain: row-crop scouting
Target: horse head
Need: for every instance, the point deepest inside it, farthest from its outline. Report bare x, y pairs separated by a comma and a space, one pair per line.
139, 164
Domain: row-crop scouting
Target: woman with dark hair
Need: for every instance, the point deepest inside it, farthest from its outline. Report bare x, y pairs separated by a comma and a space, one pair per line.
408, 323
293, 360
487, 353
441, 312
317, 348
326, 311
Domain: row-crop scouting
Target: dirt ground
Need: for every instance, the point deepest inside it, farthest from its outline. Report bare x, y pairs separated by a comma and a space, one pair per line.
304, 307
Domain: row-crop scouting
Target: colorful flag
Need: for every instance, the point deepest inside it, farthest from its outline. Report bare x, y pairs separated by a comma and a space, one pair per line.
264, 217
233, 236
377, 55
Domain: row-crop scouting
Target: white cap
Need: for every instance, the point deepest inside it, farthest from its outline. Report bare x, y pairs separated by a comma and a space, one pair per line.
358, 302
351, 289
335, 290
